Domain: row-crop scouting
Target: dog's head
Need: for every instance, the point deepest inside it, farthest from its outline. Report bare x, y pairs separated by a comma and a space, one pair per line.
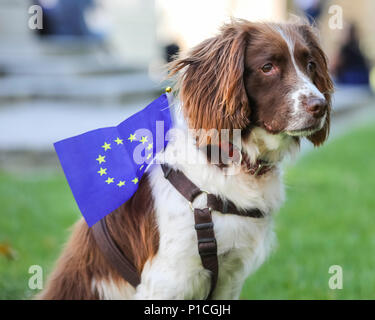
274, 76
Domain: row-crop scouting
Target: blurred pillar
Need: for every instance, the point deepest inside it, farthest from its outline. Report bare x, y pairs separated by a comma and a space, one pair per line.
132, 32
13, 19
16, 39
189, 22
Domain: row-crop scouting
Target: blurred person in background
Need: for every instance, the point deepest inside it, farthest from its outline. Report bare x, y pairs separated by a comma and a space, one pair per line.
312, 9
65, 17
171, 51
350, 65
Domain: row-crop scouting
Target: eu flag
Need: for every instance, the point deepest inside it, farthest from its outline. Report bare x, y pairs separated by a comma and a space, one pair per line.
103, 166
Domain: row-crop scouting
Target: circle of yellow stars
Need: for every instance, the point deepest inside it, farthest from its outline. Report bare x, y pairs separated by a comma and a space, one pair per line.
107, 146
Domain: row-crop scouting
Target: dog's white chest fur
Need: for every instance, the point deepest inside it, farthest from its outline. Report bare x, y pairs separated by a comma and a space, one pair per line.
243, 243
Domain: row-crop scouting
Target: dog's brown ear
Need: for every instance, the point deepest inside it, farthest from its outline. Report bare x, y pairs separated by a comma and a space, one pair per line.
321, 79
211, 80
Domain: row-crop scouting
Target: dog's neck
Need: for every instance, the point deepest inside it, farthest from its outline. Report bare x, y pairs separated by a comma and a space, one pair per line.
273, 148
234, 183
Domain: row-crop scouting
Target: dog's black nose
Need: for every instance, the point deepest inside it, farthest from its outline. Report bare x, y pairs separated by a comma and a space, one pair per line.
316, 106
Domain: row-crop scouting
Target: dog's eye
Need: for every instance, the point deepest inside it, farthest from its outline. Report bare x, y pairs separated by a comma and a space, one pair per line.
267, 68
311, 66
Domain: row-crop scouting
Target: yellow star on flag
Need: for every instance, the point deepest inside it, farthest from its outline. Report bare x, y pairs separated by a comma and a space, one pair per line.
100, 158
121, 183
149, 156
135, 180
132, 137
143, 140
102, 171
149, 147
106, 146
118, 140
109, 180
141, 167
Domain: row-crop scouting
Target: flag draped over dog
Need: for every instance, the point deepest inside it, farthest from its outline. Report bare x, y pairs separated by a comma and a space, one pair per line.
104, 166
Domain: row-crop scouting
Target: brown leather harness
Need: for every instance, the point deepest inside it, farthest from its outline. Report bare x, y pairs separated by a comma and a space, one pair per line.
207, 245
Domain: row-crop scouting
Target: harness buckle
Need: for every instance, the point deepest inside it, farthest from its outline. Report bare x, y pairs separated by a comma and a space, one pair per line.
204, 226
191, 203
207, 246
166, 173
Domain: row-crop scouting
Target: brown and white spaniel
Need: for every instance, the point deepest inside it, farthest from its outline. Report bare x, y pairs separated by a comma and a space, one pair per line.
268, 80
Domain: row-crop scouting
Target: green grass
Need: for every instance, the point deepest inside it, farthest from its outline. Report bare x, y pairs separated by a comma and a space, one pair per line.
36, 212
328, 219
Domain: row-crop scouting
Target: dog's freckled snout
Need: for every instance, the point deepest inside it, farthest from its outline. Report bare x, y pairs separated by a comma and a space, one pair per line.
316, 106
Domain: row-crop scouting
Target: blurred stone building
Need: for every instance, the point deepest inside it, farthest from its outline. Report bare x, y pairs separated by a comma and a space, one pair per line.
136, 31
52, 87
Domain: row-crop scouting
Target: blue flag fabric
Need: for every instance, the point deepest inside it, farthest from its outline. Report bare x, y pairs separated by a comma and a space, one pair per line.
104, 166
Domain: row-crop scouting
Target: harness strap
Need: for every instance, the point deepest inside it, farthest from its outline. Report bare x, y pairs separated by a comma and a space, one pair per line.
190, 191
207, 245
183, 185
228, 207
113, 254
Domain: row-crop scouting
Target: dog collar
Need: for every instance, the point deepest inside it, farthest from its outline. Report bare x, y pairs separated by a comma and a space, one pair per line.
229, 150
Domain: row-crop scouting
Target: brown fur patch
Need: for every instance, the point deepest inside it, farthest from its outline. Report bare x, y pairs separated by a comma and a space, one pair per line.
212, 87
133, 228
